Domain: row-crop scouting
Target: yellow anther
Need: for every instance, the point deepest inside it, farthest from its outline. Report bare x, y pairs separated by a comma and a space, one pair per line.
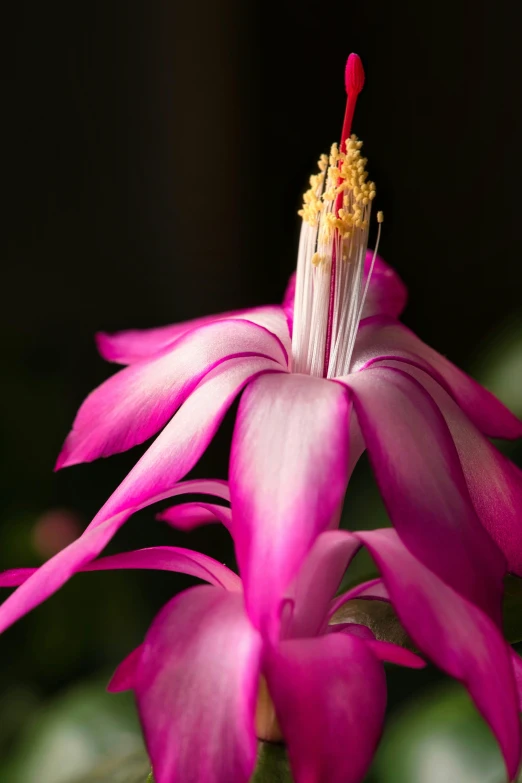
380, 217
323, 162
344, 205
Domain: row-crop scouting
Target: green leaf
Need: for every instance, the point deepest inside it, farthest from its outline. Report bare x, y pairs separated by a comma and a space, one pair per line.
378, 616
512, 609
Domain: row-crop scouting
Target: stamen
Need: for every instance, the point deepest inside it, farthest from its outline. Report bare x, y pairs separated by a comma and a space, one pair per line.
332, 249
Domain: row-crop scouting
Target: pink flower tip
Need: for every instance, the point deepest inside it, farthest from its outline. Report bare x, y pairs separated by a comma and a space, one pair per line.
354, 75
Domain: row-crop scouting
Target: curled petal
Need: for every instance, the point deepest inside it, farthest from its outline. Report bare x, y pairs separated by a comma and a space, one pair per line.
517, 670
47, 579
494, 482
136, 402
153, 478
329, 694
317, 581
124, 678
387, 294
156, 558
455, 634
288, 475
187, 516
394, 653
374, 589
134, 345
420, 477
288, 301
384, 338
196, 686
179, 446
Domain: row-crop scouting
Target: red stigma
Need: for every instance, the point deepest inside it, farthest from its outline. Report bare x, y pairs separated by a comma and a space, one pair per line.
354, 75
354, 82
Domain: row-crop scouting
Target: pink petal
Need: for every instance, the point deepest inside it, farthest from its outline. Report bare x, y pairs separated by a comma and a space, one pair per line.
371, 590
179, 446
288, 301
330, 695
517, 671
136, 344
134, 404
317, 581
187, 516
455, 634
393, 653
157, 558
387, 294
356, 629
383, 651
124, 678
381, 338
47, 579
196, 686
494, 483
288, 475
420, 477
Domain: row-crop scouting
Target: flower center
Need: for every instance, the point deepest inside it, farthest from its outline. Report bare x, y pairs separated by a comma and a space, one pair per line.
330, 286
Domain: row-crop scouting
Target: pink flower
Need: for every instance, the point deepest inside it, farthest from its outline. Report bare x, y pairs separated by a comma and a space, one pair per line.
206, 663
298, 434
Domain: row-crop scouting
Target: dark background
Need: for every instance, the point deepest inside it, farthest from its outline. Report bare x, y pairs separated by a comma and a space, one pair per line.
154, 155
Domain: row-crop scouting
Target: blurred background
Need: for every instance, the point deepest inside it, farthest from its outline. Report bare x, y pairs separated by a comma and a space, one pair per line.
154, 157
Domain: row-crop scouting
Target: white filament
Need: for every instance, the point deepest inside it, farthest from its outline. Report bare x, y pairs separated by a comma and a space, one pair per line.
312, 296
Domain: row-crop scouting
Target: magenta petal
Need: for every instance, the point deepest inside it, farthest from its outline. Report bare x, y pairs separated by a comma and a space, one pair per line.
421, 480
330, 695
387, 294
356, 629
317, 581
393, 653
134, 404
288, 475
494, 483
381, 338
124, 678
157, 558
187, 516
171, 558
196, 686
16, 576
374, 589
288, 302
517, 670
134, 345
455, 634
179, 446
47, 579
